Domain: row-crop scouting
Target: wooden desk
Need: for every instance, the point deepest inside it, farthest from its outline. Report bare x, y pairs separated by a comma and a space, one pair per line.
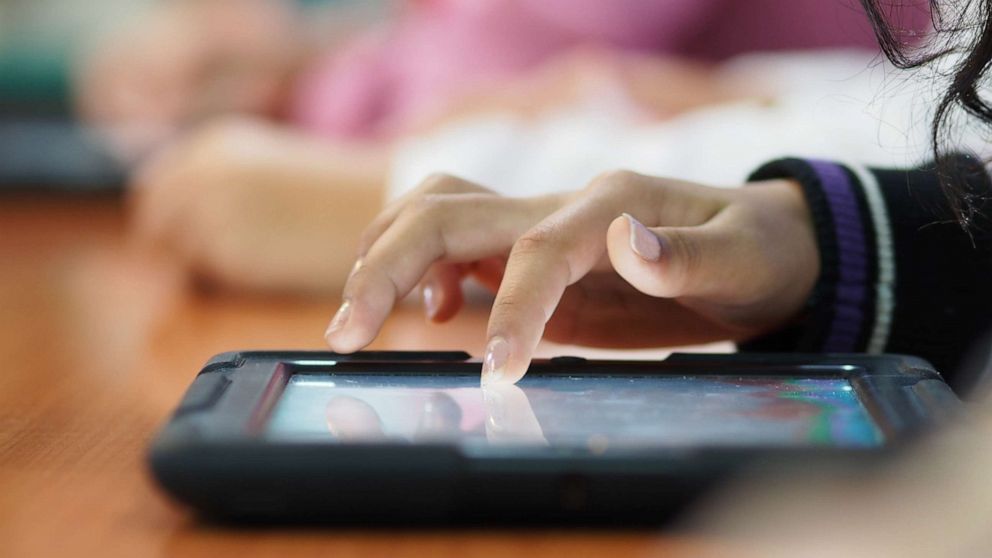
98, 345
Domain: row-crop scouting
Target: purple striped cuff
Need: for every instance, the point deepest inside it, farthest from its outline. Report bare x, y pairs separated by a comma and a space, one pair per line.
851, 290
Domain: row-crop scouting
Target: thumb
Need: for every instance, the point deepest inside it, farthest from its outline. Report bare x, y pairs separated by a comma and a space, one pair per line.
674, 262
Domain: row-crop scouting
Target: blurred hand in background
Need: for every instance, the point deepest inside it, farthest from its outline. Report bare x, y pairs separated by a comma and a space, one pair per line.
250, 205
185, 60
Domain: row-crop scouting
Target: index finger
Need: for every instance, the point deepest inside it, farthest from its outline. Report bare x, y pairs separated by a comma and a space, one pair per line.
556, 253
565, 247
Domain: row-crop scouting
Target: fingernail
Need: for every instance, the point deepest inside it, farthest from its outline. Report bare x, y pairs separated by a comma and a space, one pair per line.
340, 319
643, 242
432, 300
494, 363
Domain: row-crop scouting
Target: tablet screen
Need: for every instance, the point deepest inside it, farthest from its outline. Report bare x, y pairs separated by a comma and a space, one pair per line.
594, 412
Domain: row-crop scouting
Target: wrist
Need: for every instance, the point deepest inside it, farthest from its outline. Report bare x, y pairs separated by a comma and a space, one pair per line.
790, 238
834, 315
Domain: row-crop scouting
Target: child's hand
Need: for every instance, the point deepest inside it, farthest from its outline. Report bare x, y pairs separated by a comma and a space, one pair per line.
629, 261
250, 205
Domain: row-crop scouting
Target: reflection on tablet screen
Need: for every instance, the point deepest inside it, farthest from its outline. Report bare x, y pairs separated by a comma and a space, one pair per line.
575, 411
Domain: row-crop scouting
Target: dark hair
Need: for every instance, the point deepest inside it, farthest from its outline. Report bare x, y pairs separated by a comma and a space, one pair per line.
963, 27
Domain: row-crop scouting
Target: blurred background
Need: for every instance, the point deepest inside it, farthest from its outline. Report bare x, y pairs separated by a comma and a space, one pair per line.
184, 177
255, 138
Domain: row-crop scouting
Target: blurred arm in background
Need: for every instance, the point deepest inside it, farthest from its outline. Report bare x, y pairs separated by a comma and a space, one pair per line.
176, 63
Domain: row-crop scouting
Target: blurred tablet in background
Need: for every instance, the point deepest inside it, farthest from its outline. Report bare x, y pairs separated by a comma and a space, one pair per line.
42, 147
55, 154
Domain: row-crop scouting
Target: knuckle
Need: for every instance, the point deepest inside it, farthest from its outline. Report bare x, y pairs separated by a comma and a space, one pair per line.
357, 280
547, 245
367, 238
537, 240
615, 181
687, 254
430, 207
517, 306
506, 304
359, 272
439, 182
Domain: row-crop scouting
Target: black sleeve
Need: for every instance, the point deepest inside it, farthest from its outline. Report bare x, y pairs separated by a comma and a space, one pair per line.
900, 273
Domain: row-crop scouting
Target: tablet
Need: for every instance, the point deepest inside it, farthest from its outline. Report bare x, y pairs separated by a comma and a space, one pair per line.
56, 155
386, 437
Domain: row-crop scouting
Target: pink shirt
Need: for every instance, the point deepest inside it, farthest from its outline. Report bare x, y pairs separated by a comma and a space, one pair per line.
437, 48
